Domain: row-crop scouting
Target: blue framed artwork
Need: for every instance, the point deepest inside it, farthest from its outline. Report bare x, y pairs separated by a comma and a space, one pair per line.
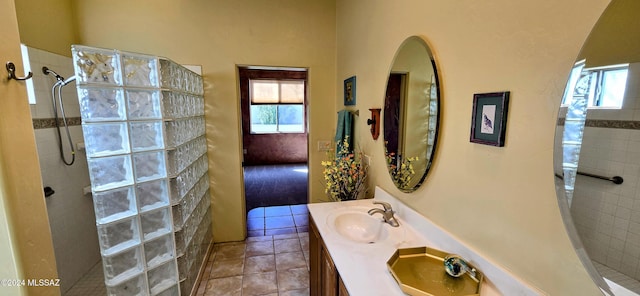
489, 118
350, 91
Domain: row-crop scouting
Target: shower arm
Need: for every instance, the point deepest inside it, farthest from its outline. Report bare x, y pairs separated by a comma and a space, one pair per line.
69, 80
48, 71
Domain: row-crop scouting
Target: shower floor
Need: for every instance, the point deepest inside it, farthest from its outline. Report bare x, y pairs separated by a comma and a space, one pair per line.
90, 284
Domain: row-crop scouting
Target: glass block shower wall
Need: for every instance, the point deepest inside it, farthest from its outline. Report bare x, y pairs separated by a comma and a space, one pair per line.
143, 125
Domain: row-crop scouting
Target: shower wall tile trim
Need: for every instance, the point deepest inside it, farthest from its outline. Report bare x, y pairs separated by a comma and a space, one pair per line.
41, 123
143, 122
604, 123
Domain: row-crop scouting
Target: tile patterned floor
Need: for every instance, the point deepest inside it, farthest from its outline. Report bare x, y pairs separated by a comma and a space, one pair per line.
277, 220
261, 265
90, 284
274, 260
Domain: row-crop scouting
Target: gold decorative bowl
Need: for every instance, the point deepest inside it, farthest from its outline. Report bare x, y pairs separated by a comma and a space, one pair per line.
420, 271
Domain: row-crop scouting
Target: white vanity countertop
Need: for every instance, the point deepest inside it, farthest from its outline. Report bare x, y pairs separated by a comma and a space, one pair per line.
363, 266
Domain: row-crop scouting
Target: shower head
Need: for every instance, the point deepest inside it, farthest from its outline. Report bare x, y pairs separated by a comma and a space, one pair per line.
48, 71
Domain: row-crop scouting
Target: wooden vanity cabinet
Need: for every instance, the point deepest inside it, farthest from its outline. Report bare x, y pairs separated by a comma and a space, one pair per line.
324, 279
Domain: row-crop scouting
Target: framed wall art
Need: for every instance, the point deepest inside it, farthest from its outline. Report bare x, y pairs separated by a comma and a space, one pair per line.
350, 91
489, 118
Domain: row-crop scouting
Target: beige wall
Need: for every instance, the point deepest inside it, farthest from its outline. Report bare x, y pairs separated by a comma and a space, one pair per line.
615, 37
220, 35
500, 201
48, 25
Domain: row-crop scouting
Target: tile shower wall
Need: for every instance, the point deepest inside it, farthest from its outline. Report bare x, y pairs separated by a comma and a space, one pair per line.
143, 124
606, 215
71, 215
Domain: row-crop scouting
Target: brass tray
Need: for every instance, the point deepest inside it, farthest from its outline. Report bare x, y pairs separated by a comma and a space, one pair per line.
420, 271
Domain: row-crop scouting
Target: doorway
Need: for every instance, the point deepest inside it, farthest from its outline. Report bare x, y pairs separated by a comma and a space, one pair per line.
274, 145
394, 126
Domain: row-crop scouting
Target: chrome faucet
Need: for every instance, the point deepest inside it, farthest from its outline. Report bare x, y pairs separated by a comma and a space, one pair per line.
387, 213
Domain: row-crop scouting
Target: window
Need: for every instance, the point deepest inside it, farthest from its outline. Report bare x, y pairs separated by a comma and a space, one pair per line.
605, 86
276, 106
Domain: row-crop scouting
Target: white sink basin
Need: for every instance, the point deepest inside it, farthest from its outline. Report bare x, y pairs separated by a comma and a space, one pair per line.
358, 226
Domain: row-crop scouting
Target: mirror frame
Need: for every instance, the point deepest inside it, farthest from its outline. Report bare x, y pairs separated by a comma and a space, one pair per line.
437, 82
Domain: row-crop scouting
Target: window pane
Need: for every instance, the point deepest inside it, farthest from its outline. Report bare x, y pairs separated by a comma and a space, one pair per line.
613, 86
292, 91
263, 118
291, 118
264, 91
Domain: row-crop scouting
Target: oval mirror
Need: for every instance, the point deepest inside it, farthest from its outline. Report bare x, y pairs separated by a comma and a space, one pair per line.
411, 114
597, 150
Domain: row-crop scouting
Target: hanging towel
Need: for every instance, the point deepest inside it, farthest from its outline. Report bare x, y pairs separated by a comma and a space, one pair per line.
344, 130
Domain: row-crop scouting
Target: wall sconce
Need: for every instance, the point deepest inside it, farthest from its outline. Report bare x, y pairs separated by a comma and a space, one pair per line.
374, 122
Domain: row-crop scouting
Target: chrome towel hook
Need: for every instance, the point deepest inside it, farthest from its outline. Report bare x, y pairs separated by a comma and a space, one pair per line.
12, 72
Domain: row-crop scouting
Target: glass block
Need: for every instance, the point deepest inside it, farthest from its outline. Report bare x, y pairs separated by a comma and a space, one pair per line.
101, 104
103, 139
168, 105
175, 163
180, 185
121, 266
433, 121
143, 104
178, 78
199, 106
182, 156
180, 244
185, 287
174, 190
149, 165
183, 268
155, 223
139, 70
152, 195
199, 86
93, 65
183, 130
180, 105
146, 135
166, 73
117, 236
176, 211
569, 181
570, 153
114, 204
136, 286
110, 172
573, 131
578, 108
162, 277
172, 291
159, 250
174, 133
